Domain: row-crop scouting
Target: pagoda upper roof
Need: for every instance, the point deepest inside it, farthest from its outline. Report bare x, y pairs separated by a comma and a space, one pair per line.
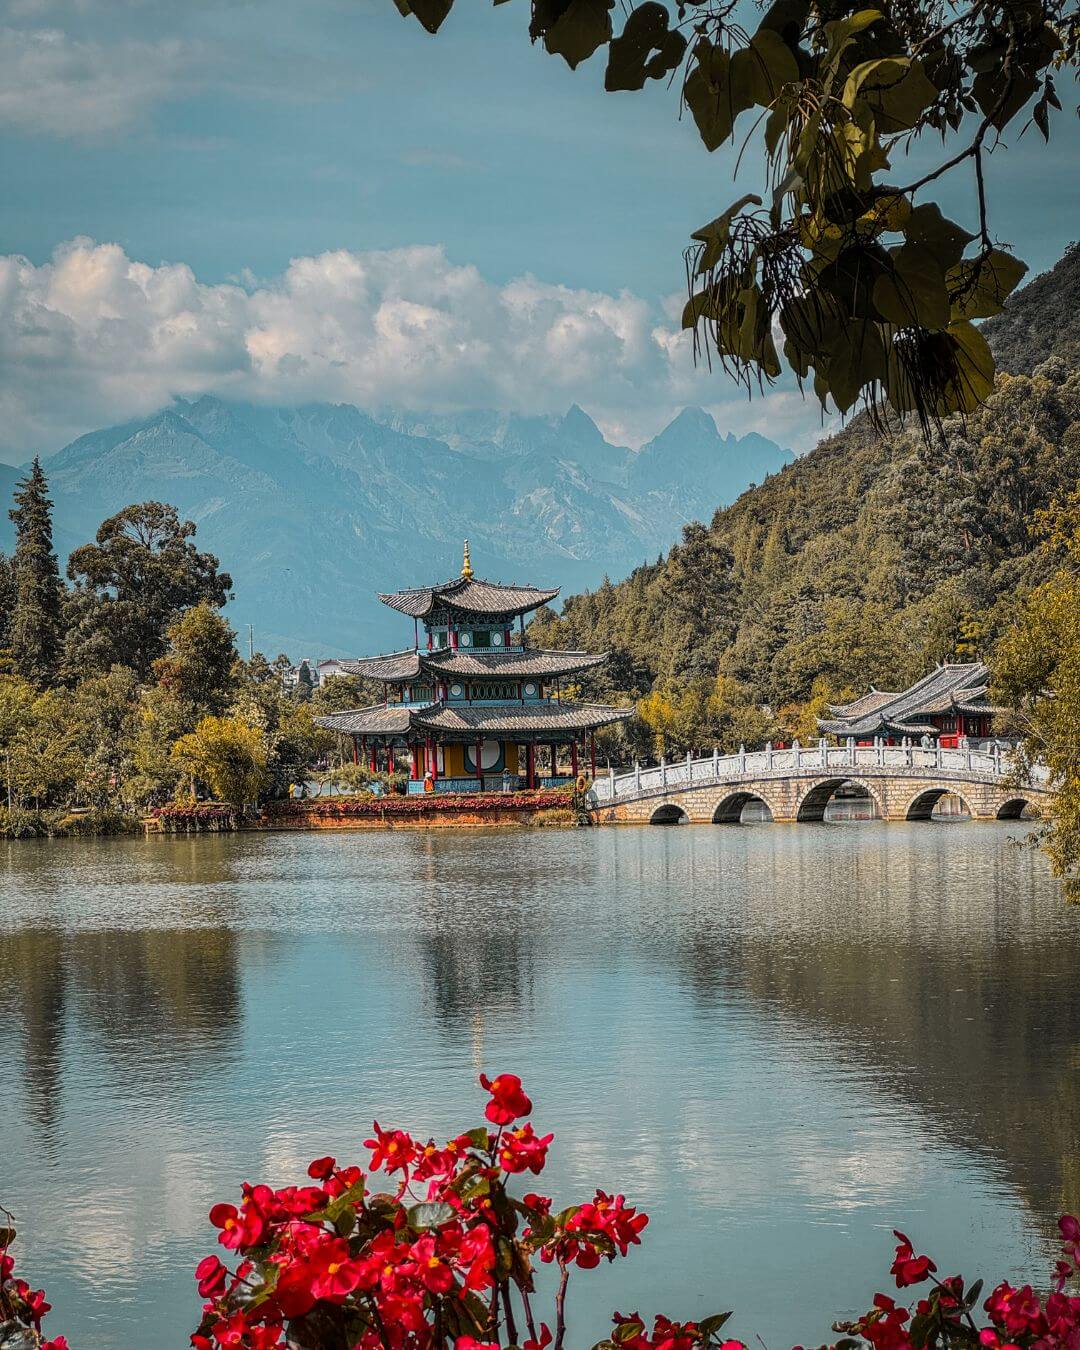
955, 688
487, 663
408, 665
470, 595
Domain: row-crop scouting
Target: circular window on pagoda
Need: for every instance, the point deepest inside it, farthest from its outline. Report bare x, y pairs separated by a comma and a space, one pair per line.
456, 690
465, 639
496, 639
530, 689
490, 754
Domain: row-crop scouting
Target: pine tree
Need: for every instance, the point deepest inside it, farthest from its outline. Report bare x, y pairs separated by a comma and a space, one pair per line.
35, 624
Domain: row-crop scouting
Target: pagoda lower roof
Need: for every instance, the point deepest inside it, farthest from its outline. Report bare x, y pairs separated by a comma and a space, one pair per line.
456, 721
486, 663
392, 719
466, 721
470, 595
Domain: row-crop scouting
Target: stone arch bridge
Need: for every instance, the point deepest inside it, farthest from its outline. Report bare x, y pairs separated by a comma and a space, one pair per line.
903, 782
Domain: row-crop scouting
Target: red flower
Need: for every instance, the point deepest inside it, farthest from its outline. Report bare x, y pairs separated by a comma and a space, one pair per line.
431, 1270
907, 1267
522, 1150
508, 1101
543, 1340
57, 1343
391, 1149
210, 1277
239, 1228
322, 1168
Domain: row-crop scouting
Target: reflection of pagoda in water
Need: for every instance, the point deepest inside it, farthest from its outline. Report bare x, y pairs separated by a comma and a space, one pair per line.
467, 708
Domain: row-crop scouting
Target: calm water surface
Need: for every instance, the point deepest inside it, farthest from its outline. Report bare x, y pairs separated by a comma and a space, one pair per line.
781, 1041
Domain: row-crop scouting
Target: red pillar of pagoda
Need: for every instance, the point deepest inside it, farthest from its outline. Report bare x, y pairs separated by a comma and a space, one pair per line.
390, 757
530, 766
355, 750
414, 768
374, 757
479, 765
592, 754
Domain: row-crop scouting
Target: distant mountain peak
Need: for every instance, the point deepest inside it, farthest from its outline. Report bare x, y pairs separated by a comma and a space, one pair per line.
694, 420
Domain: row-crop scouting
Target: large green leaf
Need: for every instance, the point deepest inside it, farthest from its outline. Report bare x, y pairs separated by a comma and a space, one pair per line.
974, 379
646, 49
914, 290
708, 94
760, 71
430, 12
576, 31
895, 88
980, 286
926, 225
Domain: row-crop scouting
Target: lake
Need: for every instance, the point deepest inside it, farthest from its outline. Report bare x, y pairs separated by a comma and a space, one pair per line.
780, 1041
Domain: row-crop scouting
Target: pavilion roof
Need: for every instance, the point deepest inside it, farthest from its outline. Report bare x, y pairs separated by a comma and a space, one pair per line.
958, 687
465, 721
470, 595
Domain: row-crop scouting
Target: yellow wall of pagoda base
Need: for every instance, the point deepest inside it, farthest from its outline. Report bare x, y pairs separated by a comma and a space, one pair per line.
454, 760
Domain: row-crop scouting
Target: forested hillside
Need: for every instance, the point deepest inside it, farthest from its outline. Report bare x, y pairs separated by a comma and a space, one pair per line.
866, 561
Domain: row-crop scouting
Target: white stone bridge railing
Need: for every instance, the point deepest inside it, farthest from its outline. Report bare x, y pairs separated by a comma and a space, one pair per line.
799, 761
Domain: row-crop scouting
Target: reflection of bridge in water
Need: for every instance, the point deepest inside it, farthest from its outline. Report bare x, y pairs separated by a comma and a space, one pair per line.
903, 782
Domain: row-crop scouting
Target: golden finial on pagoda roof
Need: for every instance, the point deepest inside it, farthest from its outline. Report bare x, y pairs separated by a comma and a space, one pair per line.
466, 564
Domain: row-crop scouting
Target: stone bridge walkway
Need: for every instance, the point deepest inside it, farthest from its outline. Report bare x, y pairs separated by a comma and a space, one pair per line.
796, 784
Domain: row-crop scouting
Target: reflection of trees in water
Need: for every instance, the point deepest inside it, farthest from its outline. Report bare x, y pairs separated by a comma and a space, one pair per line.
32, 1002
479, 937
161, 1003
959, 991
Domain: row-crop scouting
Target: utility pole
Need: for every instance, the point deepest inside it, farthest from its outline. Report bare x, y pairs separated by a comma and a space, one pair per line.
251, 642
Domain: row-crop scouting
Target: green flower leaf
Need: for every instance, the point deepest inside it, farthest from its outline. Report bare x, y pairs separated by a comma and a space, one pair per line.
645, 50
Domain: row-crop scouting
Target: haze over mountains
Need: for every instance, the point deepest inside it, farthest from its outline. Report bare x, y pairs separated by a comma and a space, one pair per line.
314, 509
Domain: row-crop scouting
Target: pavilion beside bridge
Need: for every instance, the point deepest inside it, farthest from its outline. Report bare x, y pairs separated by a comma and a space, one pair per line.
468, 706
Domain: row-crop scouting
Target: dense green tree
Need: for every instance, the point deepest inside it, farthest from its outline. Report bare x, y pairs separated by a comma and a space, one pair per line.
873, 290
35, 633
104, 712
197, 668
1037, 673
227, 755
142, 571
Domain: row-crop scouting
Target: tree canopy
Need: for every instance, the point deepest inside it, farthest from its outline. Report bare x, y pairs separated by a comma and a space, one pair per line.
142, 571
873, 290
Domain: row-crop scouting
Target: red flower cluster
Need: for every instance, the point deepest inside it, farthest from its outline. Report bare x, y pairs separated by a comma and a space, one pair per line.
433, 1264
21, 1308
417, 804
1019, 1319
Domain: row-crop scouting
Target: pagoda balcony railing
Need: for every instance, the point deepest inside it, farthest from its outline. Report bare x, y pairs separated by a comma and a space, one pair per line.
991, 763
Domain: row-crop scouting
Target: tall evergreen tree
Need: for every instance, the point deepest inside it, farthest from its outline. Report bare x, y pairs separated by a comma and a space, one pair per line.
35, 623
7, 605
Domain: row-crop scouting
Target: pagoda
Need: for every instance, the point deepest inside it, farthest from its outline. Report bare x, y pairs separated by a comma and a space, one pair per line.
468, 705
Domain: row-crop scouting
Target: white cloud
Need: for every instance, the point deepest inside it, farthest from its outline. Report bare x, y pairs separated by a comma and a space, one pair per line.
54, 83
93, 337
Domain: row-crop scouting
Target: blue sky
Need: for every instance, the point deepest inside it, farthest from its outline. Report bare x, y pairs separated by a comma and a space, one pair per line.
231, 138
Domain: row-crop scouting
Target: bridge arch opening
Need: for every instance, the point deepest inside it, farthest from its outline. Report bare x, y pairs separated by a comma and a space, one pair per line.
941, 805
1018, 808
838, 799
669, 814
743, 808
